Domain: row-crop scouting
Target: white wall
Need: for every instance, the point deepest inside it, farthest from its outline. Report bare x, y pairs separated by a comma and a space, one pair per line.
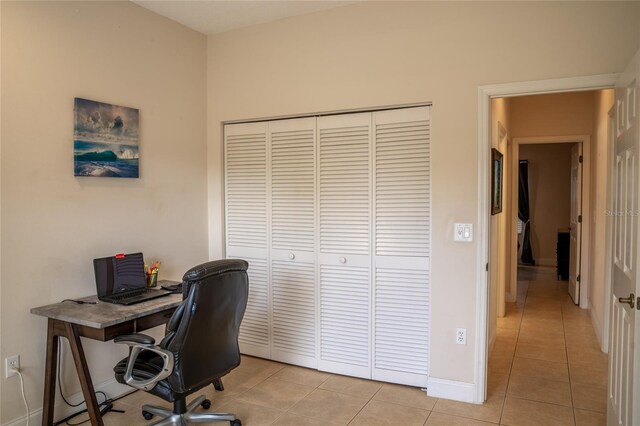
388, 53
54, 224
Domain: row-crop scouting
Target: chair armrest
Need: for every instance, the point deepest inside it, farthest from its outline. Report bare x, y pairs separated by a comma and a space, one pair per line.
145, 344
138, 338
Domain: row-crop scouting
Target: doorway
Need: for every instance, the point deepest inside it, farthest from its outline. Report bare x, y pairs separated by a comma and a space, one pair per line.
508, 91
545, 343
559, 202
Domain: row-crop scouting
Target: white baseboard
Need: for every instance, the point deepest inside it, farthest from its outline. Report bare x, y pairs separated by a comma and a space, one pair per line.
597, 327
112, 388
492, 340
451, 389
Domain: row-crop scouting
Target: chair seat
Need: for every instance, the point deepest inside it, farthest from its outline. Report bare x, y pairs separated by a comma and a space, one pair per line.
147, 365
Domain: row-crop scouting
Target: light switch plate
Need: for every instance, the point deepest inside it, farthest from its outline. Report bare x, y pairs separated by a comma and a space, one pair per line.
463, 232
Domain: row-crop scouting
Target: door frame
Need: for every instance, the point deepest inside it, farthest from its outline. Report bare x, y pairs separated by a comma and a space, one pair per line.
608, 248
585, 140
485, 93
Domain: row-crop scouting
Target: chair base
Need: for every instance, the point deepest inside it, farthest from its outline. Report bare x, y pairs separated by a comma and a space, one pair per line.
169, 417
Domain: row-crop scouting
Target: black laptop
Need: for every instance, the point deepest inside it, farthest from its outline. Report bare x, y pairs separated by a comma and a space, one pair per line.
120, 279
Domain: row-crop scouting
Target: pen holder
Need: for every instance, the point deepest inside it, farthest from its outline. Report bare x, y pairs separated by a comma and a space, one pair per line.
152, 279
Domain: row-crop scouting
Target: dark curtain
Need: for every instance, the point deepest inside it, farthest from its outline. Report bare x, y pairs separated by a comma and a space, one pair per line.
523, 213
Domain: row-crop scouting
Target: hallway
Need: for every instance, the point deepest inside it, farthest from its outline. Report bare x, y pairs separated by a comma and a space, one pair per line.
546, 361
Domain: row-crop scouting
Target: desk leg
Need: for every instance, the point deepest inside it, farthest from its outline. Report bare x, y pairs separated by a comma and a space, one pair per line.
83, 374
50, 373
55, 330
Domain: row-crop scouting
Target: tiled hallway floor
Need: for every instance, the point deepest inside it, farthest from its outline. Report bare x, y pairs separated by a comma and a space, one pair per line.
546, 359
545, 369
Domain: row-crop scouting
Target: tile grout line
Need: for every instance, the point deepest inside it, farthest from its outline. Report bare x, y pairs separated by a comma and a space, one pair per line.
566, 352
513, 359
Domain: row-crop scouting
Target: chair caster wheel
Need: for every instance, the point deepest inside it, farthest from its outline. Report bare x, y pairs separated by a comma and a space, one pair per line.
147, 415
236, 422
206, 404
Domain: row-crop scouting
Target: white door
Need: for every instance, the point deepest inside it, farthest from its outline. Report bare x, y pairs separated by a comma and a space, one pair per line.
624, 358
402, 246
344, 193
246, 226
292, 200
575, 222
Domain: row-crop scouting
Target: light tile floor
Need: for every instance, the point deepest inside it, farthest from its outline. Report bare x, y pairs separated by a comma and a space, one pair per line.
545, 369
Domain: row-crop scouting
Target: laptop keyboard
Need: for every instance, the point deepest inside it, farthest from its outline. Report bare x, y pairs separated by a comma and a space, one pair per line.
119, 297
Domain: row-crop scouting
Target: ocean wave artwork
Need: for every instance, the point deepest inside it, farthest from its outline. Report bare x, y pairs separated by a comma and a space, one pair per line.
105, 140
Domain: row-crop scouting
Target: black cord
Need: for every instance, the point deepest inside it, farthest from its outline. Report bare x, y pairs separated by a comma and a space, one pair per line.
107, 403
60, 384
80, 302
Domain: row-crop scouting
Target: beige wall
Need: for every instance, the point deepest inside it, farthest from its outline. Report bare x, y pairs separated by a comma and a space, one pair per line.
552, 115
549, 196
603, 102
498, 261
388, 53
53, 223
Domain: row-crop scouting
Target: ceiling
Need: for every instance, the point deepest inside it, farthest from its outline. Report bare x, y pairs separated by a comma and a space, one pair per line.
216, 16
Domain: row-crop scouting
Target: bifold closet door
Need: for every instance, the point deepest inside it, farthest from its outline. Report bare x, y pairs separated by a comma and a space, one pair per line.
402, 234
246, 206
293, 241
344, 193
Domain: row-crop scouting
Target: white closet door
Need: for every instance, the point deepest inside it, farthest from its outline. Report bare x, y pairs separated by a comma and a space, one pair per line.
246, 226
293, 266
344, 243
402, 246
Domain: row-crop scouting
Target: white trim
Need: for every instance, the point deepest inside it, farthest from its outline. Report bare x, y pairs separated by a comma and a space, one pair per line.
608, 232
492, 341
333, 112
485, 93
484, 217
540, 87
451, 389
112, 388
597, 327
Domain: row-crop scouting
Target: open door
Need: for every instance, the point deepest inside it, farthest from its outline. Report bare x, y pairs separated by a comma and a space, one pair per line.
575, 222
624, 356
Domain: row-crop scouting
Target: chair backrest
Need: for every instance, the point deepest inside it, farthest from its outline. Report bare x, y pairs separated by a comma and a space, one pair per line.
203, 332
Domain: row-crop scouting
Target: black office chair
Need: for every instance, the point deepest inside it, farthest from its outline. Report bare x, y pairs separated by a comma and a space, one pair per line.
200, 345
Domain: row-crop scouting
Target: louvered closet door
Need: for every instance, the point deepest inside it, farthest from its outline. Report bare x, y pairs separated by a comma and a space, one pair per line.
246, 226
293, 265
401, 297
344, 243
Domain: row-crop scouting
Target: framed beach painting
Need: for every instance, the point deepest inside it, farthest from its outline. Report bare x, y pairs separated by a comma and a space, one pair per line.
496, 181
105, 140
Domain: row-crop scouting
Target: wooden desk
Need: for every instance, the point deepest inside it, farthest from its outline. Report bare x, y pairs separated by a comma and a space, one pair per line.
102, 321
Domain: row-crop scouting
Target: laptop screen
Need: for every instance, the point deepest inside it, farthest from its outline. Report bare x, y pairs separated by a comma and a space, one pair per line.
118, 273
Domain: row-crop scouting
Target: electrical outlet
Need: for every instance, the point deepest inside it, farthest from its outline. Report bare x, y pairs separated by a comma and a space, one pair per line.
10, 363
461, 336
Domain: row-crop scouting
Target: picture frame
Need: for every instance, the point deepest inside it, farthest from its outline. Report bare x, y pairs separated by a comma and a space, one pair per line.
105, 140
496, 181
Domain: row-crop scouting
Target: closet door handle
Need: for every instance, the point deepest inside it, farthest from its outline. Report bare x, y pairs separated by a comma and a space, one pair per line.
292, 256
343, 259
